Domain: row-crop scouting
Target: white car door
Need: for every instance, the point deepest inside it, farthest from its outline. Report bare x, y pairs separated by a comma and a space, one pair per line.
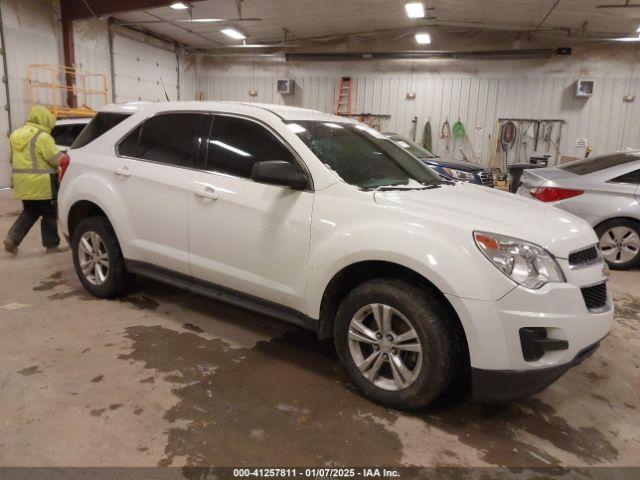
154, 172
246, 236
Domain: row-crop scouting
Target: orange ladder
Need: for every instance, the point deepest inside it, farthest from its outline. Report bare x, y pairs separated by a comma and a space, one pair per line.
344, 97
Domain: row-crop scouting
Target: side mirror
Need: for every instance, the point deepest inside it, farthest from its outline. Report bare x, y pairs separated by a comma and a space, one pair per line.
279, 172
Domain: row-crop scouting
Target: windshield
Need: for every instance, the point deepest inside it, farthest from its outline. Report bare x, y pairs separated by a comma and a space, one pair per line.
412, 147
594, 164
364, 157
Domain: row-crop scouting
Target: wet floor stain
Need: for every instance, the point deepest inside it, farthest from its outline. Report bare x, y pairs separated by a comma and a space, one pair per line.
29, 371
249, 404
494, 430
226, 404
51, 282
192, 327
143, 302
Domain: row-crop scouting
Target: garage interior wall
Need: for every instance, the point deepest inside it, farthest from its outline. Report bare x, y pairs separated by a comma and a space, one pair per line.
476, 92
32, 36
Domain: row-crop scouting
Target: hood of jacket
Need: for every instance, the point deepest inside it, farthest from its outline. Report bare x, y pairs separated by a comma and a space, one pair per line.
39, 119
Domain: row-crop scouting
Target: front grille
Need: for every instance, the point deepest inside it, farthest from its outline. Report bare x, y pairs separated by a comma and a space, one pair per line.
584, 257
486, 178
595, 297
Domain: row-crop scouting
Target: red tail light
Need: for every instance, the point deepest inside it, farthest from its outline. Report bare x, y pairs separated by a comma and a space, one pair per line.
554, 194
64, 164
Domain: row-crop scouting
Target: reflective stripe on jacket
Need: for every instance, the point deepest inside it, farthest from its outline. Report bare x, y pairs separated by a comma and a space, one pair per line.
34, 156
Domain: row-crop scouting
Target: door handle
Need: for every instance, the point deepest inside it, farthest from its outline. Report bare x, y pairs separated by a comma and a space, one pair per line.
122, 172
207, 192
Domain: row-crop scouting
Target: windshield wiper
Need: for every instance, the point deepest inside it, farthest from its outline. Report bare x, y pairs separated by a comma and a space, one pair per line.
386, 188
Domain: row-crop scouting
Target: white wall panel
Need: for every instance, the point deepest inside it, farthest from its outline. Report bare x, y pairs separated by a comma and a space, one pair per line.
32, 35
605, 120
141, 68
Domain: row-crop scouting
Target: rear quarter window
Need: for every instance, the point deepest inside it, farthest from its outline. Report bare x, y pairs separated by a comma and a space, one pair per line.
100, 124
595, 164
631, 177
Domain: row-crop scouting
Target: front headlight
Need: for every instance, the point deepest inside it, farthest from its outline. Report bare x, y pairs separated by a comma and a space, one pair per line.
525, 263
459, 174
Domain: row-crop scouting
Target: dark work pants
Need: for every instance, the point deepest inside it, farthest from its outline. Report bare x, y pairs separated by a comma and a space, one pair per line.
32, 211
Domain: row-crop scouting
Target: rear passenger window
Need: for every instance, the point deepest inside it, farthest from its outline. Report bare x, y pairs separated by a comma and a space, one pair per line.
631, 177
59, 134
101, 123
170, 138
235, 144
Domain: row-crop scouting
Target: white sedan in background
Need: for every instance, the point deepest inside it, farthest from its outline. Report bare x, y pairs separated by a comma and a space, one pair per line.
603, 190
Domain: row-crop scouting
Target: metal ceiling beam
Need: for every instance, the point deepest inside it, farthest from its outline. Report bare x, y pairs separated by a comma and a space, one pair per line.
414, 55
79, 9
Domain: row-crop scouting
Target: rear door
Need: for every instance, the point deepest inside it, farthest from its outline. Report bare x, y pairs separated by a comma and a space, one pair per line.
247, 236
154, 175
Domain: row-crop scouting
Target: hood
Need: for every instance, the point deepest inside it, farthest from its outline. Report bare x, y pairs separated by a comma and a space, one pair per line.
42, 118
472, 207
466, 166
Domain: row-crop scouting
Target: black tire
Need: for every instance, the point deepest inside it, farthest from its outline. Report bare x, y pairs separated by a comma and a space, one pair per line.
619, 222
117, 280
433, 324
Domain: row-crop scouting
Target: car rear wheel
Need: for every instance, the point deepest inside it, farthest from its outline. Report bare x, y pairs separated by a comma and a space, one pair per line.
395, 342
619, 242
98, 259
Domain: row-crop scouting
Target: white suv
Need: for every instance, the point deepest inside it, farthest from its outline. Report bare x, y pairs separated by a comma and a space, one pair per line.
327, 223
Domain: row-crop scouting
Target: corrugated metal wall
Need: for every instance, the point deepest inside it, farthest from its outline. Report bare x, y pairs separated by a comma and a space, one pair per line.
31, 35
605, 120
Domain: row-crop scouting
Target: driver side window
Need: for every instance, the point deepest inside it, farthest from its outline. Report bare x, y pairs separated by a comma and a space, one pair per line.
236, 144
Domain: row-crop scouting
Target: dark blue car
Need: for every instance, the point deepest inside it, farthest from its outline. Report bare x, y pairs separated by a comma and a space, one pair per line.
451, 169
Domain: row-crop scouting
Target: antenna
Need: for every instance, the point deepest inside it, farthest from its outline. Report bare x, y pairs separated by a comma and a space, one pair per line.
165, 90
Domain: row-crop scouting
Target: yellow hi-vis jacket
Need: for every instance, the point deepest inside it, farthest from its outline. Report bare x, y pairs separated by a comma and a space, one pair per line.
34, 156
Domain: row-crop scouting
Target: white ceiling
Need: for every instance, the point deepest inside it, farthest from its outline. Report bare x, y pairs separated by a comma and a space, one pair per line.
306, 19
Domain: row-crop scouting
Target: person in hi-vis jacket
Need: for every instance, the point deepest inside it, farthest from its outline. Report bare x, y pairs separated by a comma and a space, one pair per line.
35, 160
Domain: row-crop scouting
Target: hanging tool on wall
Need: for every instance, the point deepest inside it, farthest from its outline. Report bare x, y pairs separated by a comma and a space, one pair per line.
507, 139
414, 128
528, 134
445, 133
458, 137
426, 135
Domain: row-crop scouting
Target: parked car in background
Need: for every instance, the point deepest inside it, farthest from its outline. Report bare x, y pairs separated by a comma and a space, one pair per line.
450, 169
329, 224
603, 190
67, 130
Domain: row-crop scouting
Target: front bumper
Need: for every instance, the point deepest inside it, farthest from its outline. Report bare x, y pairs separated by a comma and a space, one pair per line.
509, 385
493, 332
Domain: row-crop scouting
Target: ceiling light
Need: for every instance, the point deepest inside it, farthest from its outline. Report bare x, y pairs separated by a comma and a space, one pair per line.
423, 38
414, 9
179, 6
233, 33
627, 39
206, 20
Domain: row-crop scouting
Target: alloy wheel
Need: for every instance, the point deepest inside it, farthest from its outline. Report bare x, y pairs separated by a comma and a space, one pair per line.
385, 347
619, 245
93, 258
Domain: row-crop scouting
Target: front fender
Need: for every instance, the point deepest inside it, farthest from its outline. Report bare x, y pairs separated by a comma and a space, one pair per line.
447, 256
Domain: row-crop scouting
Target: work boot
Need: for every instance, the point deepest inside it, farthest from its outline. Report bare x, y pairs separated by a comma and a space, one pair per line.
10, 247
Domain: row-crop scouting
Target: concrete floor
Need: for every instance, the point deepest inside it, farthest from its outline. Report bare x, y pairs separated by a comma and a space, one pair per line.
167, 378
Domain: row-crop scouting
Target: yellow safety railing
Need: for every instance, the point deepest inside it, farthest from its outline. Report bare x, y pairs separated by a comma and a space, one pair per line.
49, 86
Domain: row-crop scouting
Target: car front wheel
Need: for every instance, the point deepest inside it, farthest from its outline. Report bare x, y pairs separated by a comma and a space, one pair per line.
619, 242
396, 343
